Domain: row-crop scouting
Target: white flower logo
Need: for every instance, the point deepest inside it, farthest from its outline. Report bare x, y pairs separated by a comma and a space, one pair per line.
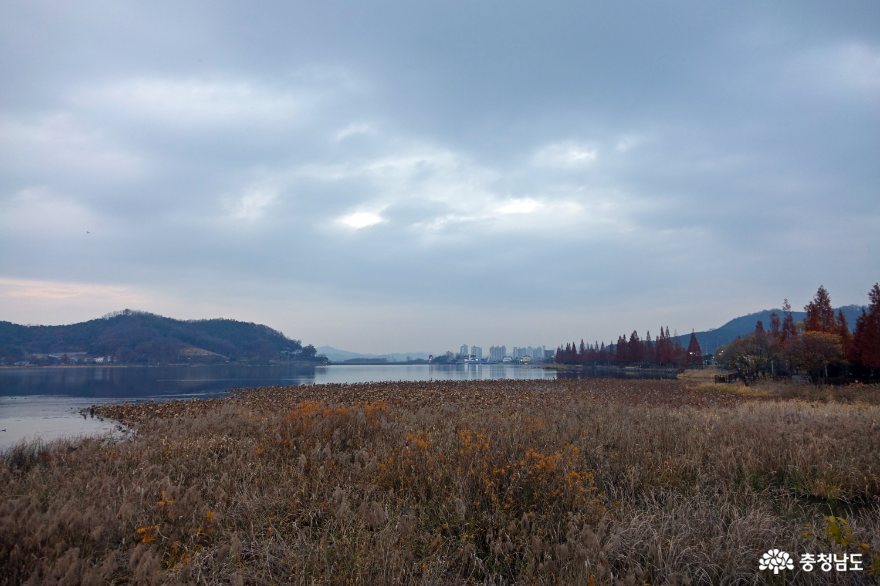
776, 560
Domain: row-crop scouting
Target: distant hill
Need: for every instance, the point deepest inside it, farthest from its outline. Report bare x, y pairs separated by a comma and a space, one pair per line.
744, 325
337, 355
139, 337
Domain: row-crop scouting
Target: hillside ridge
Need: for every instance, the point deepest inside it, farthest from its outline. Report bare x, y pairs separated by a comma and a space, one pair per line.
132, 337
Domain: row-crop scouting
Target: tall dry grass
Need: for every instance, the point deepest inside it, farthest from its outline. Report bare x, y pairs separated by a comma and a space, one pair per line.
575, 482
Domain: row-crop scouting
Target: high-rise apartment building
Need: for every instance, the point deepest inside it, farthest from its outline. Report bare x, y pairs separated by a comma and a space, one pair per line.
463, 350
476, 352
496, 353
530, 352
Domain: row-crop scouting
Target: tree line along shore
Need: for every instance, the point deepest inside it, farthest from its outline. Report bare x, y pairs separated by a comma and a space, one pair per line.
822, 346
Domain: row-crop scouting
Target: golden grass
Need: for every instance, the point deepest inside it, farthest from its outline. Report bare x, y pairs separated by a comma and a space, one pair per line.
737, 388
541, 482
700, 374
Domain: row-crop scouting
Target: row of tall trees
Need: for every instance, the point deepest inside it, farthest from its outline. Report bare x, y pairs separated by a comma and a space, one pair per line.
663, 351
822, 345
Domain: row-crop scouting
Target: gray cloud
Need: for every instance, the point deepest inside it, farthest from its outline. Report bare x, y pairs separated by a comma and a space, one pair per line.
386, 174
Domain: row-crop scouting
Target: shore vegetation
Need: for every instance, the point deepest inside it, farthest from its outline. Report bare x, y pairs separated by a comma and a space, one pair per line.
453, 482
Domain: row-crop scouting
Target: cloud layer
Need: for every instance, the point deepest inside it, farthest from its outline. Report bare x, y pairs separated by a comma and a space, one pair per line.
391, 177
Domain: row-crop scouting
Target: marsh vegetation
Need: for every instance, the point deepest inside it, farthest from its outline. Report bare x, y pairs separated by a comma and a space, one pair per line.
452, 482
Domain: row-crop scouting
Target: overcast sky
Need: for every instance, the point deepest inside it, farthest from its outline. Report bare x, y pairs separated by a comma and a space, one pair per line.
401, 176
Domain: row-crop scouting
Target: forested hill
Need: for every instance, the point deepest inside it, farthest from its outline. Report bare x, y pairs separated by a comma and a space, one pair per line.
139, 337
744, 325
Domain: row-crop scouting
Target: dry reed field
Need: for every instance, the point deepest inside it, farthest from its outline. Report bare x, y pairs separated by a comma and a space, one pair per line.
480, 482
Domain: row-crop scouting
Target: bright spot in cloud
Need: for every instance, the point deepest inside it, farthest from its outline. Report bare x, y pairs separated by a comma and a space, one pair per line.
626, 143
861, 64
252, 204
354, 129
519, 206
565, 154
360, 220
188, 102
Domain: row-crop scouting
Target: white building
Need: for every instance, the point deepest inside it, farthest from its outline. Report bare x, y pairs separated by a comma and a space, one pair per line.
476, 353
533, 353
463, 350
497, 353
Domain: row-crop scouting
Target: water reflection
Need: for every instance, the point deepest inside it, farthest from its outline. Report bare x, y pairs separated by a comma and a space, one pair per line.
167, 382
43, 401
47, 418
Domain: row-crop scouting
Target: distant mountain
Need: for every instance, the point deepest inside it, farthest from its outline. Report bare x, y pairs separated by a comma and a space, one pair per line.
744, 325
337, 355
139, 337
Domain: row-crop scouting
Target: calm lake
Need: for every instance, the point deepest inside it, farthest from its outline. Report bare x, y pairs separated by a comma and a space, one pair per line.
43, 402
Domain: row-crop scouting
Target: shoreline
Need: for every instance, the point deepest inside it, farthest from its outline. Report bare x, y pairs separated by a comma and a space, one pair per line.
45, 366
577, 367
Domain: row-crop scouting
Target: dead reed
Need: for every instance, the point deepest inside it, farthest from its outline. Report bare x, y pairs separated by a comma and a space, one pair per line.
547, 482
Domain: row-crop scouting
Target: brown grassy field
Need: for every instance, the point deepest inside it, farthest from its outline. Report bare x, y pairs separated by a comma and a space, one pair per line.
483, 482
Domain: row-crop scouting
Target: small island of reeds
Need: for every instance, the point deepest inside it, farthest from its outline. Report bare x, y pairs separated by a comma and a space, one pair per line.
454, 482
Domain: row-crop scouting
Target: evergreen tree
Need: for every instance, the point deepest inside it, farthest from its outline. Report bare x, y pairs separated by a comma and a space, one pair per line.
866, 341
820, 314
775, 325
668, 353
620, 353
634, 348
694, 352
659, 347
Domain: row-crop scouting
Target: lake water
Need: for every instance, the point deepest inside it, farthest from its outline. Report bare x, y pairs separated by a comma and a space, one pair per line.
43, 402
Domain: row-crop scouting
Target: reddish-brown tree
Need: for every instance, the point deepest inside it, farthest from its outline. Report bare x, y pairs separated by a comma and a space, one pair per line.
775, 325
820, 314
667, 354
649, 348
866, 341
621, 355
694, 352
634, 348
